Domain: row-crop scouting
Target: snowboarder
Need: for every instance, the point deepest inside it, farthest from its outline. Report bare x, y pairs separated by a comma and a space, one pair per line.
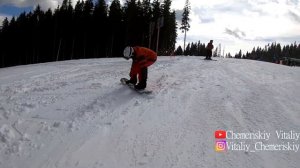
209, 48
142, 58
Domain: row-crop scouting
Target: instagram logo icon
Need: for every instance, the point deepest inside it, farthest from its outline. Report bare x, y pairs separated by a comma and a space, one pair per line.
220, 146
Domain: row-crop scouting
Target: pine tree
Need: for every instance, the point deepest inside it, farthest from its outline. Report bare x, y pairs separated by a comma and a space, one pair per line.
156, 14
185, 26
168, 31
88, 9
215, 53
5, 24
73, 33
78, 32
178, 51
117, 28
131, 18
147, 22
100, 22
187, 50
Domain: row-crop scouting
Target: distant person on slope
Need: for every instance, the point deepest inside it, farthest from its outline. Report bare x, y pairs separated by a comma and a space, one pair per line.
209, 48
142, 58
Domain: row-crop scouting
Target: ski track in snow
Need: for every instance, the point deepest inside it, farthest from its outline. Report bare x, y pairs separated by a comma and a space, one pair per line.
77, 114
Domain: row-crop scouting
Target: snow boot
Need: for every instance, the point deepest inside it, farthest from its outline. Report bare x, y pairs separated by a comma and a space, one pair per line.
143, 83
140, 86
132, 81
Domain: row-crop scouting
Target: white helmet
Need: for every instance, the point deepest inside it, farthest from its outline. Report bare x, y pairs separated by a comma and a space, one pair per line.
128, 52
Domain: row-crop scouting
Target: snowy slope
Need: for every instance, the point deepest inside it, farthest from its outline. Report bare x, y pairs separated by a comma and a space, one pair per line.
76, 114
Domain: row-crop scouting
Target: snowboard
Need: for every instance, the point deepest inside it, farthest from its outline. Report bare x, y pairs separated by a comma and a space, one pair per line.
209, 59
131, 86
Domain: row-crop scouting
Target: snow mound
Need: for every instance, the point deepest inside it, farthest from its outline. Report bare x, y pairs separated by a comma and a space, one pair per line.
77, 114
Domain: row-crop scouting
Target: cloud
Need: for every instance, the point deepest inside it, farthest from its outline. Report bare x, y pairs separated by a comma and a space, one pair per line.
178, 13
235, 33
2, 17
294, 16
292, 2
9, 8
45, 4
18, 3
243, 22
207, 20
283, 39
203, 14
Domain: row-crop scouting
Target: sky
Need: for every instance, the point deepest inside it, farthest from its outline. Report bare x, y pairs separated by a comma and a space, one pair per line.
233, 24
241, 24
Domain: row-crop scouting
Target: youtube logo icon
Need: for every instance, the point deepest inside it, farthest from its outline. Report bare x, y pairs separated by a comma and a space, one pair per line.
220, 134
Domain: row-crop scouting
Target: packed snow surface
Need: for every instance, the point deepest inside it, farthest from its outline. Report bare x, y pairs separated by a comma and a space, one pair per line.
76, 114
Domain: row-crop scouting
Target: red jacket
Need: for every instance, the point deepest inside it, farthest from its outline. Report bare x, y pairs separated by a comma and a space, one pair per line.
142, 57
210, 46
